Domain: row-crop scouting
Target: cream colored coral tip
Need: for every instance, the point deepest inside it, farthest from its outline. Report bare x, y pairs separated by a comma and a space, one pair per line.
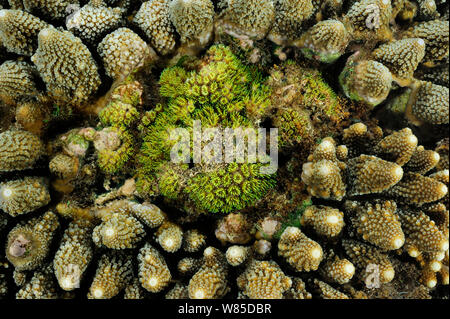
292, 231
435, 265
324, 169
316, 253
360, 127
66, 283
208, 251
109, 232
413, 253
234, 251
444, 245
2, 13
412, 139
169, 242
199, 294
385, 2
431, 283
445, 171
388, 275
398, 172
326, 144
97, 293
332, 219
436, 156
7, 192
152, 282
443, 189
349, 268
398, 242
44, 33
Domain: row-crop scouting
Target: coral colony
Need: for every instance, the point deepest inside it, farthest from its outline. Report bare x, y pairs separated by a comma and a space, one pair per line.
230, 149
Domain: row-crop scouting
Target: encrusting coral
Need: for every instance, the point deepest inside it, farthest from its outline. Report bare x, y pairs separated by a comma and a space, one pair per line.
395, 224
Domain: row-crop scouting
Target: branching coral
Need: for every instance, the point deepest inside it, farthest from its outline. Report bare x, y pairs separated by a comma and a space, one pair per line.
339, 270
301, 252
263, 280
23, 195
113, 274
122, 51
18, 80
66, 66
435, 35
249, 17
210, 282
325, 41
289, 19
92, 22
19, 150
19, 31
50, 8
74, 254
389, 224
378, 224
362, 255
29, 244
326, 221
430, 103
153, 19
41, 286
369, 18
154, 274
367, 81
193, 19
170, 236
401, 58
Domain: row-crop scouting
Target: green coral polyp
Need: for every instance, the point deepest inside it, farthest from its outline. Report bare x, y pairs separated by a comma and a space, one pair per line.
235, 188
220, 92
113, 160
118, 114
